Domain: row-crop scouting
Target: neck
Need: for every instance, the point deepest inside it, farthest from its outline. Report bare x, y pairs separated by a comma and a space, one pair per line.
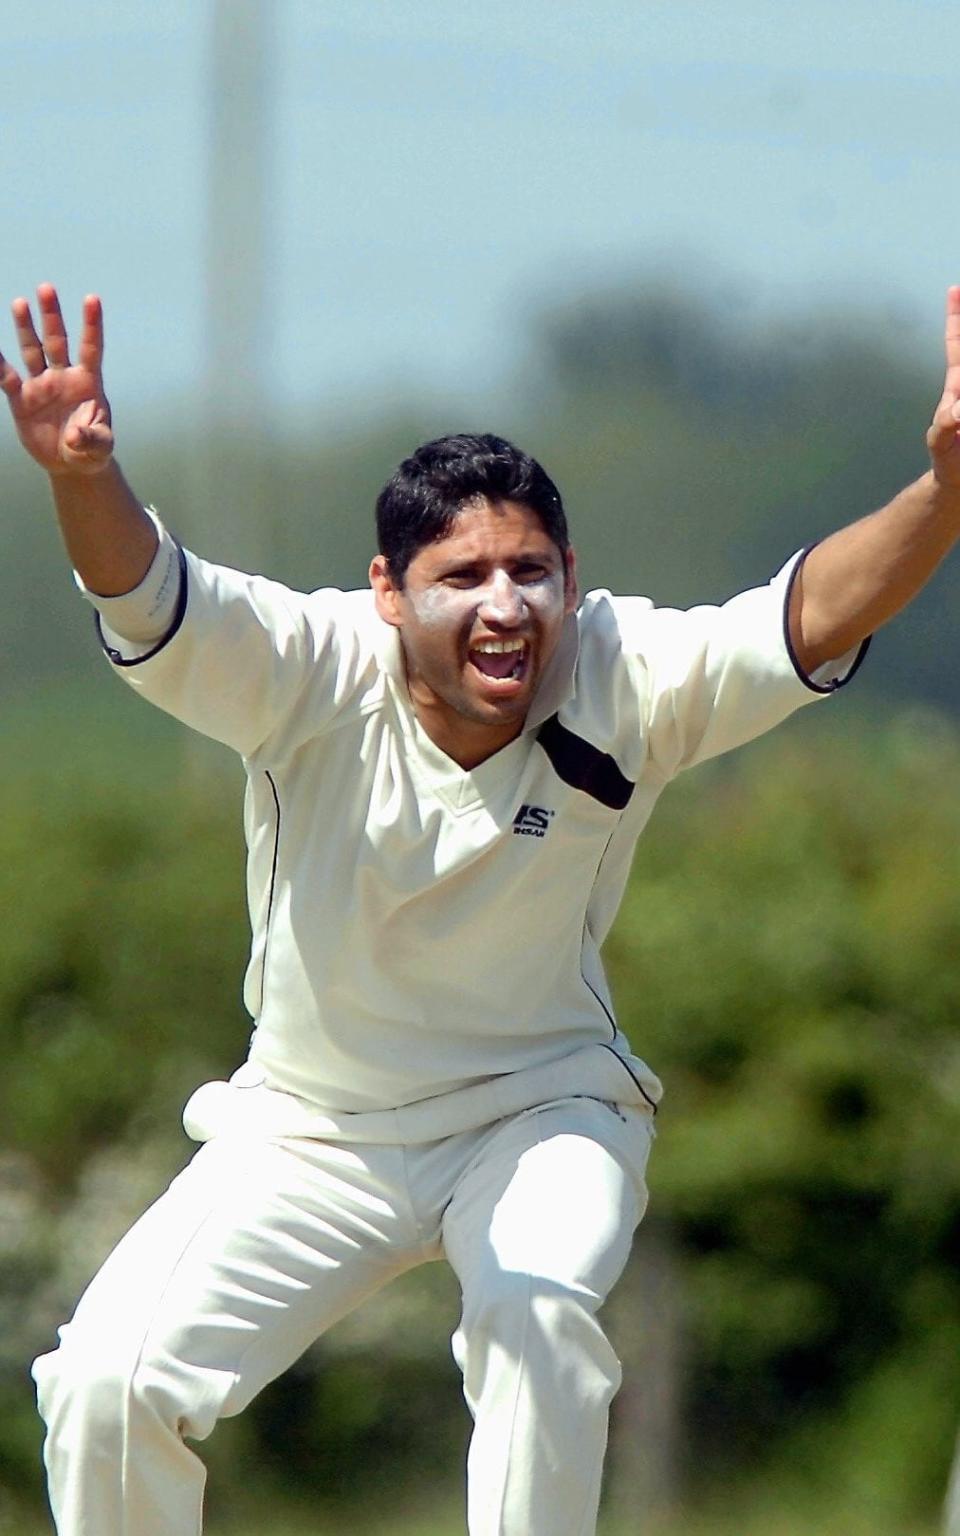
468, 742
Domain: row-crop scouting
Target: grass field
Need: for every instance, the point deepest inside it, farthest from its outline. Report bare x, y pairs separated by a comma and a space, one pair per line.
410, 1516
451, 1522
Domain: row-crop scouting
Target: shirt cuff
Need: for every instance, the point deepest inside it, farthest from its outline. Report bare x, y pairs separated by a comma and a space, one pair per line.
831, 675
144, 615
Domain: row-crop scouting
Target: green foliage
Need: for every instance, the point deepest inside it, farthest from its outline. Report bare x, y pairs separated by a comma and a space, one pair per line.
128, 920
789, 958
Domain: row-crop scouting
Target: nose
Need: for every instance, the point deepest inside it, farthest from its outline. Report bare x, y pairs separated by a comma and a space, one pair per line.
502, 601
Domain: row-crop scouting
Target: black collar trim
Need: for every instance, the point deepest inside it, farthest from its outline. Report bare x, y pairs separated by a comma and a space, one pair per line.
583, 766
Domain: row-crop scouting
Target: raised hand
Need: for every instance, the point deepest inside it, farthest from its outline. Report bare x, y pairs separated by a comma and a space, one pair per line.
60, 411
943, 438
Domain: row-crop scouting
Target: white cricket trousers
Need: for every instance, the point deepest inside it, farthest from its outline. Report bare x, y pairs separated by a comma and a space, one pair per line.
258, 1246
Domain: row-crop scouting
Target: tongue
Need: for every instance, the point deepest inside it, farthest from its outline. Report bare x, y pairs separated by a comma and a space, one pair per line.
495, 663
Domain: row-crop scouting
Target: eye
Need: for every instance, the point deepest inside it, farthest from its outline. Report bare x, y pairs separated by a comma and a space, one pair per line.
531, 570
463, 576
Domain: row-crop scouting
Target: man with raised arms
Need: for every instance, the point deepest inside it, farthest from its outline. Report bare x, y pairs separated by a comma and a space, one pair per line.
446, 777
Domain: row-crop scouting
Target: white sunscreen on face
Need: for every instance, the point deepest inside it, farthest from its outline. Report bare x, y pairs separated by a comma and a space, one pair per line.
508, 602
439, 607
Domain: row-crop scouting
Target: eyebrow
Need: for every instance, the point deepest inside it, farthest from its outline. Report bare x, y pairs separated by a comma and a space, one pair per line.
475, 562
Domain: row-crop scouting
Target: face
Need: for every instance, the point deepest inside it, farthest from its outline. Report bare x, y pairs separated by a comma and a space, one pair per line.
480, 614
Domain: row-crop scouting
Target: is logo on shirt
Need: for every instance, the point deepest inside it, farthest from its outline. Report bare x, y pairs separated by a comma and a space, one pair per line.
532, 821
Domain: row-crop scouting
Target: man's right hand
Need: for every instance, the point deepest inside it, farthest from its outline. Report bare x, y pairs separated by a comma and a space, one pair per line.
63, 418
59, 409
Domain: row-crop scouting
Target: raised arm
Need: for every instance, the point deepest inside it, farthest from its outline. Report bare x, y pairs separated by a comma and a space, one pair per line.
862, 576
62, 417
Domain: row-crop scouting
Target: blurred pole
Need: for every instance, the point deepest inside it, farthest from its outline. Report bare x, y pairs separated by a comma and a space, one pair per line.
228, 495
230, 501
952, 1508
643, 1479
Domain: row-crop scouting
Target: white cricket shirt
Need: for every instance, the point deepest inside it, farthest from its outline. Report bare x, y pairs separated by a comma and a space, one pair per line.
425, 939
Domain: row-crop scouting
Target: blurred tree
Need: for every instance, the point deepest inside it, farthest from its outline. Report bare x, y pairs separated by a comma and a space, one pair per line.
788, 957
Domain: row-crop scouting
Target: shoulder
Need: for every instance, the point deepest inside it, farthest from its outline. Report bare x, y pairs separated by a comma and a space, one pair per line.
612, 627
606, 619
671, 638
345, 638
606, 702
348, 612
325, 620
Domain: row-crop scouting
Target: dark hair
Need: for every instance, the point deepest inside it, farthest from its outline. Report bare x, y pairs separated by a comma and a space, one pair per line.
421, 500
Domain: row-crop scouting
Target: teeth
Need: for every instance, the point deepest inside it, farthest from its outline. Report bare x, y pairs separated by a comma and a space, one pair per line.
491, 647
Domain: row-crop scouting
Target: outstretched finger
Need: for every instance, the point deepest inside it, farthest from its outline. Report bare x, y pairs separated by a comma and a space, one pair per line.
54, 331
90, 351
10, 380
952, 340
27, 339
944, 429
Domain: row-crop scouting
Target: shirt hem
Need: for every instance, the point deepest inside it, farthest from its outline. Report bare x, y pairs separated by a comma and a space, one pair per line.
594, 1071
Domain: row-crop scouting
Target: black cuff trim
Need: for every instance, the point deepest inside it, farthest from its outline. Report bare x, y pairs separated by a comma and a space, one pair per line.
179, 611
804, 677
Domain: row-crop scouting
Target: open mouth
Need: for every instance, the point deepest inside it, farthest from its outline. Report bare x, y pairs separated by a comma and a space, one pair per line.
500, 662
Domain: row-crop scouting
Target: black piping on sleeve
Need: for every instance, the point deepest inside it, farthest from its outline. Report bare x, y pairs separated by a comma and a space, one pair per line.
177, 620
805, 678
630, 1072
273, 886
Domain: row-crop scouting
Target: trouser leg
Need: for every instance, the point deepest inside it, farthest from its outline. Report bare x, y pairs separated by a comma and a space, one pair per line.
538, 1231
249, 1256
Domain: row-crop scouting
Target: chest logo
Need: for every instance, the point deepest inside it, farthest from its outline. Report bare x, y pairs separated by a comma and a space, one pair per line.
532, 821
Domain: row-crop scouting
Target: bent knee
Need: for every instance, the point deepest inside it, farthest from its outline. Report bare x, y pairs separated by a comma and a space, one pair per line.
71, 1384
107, 1394
551, 1329
562, 1318
509, 1296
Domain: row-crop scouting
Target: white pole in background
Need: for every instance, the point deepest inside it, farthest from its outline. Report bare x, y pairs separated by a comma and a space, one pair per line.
232, 506
952, 1510
228, 498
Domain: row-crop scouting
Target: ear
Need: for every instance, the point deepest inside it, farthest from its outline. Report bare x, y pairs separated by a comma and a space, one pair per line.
571, 589
386, 593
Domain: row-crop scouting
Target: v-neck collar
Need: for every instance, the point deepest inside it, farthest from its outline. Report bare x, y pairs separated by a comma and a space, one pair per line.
464, 789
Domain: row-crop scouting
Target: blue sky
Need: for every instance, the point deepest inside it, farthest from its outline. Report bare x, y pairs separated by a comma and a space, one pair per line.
437, 171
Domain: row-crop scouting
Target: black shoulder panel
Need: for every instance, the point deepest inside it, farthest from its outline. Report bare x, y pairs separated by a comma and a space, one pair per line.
583, 766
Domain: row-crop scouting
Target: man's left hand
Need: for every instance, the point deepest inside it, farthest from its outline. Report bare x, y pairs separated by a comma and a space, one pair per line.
943, 438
